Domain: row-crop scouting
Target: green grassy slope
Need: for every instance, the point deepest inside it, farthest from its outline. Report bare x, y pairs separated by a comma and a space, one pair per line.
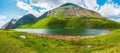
73, 22
72, 16
10, 42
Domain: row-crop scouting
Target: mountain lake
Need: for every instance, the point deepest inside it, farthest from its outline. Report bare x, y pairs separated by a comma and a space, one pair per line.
78, 32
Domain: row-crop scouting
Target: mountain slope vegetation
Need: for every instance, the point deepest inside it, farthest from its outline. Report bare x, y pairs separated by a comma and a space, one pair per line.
72, 16
72, 23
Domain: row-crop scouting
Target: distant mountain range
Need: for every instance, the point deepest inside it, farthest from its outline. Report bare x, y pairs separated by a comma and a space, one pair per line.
23, 20
65, 16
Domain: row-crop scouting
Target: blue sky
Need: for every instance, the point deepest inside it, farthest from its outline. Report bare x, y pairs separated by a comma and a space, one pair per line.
10, 9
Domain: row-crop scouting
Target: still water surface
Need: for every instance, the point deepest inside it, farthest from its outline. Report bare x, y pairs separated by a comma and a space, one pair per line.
81, 32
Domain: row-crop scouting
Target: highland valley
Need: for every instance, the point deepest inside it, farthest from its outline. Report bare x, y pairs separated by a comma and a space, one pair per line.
68, 28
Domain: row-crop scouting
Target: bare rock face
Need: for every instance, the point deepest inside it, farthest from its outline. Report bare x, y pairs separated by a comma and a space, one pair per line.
73, 10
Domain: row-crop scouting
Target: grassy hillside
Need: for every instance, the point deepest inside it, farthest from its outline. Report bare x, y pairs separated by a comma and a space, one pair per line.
10, 42
73, 22
72, 16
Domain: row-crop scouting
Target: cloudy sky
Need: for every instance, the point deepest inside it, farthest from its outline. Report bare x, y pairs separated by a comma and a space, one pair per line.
10, 9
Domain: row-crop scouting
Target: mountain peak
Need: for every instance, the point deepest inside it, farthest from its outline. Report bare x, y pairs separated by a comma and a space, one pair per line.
69, 4
70, 9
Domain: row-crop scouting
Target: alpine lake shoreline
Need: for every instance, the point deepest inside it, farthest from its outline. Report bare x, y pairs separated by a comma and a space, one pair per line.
65, 36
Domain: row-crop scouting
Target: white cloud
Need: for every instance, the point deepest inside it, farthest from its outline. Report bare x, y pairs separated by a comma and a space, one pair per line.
23, 5
45, 4
92, 4
27, 7
2, 17
42, 5
111, 10
1, 23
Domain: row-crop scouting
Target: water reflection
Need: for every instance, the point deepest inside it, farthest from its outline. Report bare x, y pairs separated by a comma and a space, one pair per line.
84, 32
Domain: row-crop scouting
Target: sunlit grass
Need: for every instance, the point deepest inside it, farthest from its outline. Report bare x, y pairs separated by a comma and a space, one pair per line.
11, 42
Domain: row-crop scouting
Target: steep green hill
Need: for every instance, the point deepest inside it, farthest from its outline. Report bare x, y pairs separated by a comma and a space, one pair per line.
72, 16
80, 22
